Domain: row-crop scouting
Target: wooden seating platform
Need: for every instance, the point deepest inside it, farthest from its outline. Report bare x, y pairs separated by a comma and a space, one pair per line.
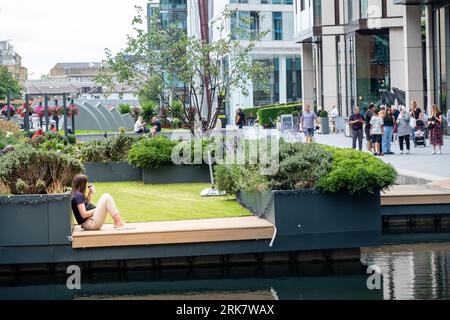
415, 195
175, 232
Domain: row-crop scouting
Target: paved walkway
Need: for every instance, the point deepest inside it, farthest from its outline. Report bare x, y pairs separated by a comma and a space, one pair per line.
420, 163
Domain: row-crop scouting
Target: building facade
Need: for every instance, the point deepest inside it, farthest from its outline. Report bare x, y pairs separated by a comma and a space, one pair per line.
277, 49
78, 79
13, 61
357, 52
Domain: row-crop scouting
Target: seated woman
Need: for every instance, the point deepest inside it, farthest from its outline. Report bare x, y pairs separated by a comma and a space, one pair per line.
88, 216
140, 127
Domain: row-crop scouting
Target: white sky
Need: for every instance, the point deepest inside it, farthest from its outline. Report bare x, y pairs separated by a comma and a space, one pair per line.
45, 32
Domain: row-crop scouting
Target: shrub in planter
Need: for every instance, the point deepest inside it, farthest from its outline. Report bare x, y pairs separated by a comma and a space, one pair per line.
148, 111
124, 109
52, 141
355, 172
267, 116
301, 166
234, 178
32, 171
113, 149
152, 153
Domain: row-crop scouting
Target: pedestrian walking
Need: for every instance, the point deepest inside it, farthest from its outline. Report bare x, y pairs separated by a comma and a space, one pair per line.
388, 123
307, 123
436, 129
368, 117
357, 122
404, 130
376, 125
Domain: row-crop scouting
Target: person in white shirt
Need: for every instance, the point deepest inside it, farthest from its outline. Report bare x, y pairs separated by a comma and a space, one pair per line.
140, 126
334, 115
376, 125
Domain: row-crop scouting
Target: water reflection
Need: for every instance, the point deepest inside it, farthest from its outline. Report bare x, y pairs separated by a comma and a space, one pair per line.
415, 271
411, 271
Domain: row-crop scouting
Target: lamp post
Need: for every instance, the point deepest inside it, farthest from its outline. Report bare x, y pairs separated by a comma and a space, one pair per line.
72, 103
8, 106
46, 112
26, 124
65, 114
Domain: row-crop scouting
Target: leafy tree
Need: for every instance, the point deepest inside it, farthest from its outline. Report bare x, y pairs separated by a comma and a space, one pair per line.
8, 84
199, 74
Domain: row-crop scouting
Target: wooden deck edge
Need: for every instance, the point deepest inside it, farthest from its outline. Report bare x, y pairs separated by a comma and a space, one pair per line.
414, 200
182, 237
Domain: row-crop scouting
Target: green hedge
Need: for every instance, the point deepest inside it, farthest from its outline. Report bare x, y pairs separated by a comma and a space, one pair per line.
152, 152
356, 172
312, 166
255, 110
268, 116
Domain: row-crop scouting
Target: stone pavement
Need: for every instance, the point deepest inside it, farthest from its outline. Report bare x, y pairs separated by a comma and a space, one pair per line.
420, 163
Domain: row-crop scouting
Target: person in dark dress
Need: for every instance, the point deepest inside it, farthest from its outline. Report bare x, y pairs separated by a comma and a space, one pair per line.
436, 129
368, 116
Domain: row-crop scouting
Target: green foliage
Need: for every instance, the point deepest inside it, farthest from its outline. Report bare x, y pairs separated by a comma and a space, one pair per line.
152, 153
8, 84
355, 172
149, 110
53, 141
234, 178
7, 139
125, 108
175, 65
31, 171
113, 149
267, 116
323, 114
151, 91
176, 123
301, 166
296, 113
177, 110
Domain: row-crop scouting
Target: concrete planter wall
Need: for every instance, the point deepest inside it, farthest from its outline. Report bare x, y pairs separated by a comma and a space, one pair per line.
35, 220
325, 125
177, 174
112, 172
314, 220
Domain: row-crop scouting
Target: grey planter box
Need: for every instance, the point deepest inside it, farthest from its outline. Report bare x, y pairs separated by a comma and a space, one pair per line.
315, 220
35, 220
112, 172
325, 125
177, 174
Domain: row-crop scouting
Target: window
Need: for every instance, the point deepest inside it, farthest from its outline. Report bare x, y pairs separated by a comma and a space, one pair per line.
277, 26
254, 24
302, 5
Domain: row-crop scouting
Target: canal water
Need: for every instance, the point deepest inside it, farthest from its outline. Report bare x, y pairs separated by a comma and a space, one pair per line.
409, 271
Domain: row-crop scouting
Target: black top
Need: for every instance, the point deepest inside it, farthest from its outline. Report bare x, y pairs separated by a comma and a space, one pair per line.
417, 113
388, 121
396, 114
356, 117
369, 116
78, 198
241, 121
157, 124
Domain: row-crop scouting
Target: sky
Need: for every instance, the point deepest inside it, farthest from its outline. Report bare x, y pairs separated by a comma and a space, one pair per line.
45, 32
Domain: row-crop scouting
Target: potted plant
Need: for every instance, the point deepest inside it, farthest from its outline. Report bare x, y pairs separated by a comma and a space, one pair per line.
34, 205
325, 122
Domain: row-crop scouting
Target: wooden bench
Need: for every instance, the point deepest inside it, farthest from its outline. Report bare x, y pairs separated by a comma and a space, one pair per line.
415, 195
175, 232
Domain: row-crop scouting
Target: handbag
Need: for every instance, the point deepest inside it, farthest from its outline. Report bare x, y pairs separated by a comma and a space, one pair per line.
412, 123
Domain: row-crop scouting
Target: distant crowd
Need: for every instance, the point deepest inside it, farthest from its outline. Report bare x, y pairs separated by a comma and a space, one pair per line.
386, 125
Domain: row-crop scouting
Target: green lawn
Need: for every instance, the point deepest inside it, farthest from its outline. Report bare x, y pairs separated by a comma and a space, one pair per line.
146, 203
